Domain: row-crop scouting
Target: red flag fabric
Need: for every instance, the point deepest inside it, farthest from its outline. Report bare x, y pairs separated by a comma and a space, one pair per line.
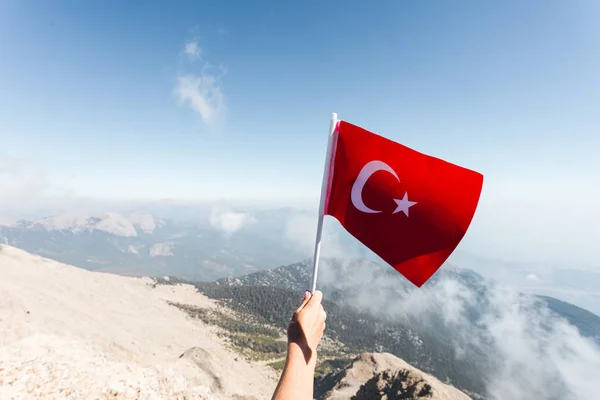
409, 208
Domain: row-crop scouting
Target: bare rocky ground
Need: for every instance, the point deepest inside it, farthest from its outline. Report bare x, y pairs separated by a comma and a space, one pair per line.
68, 333
385, 376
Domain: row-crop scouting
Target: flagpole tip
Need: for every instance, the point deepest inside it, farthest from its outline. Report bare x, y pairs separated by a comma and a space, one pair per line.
334, 116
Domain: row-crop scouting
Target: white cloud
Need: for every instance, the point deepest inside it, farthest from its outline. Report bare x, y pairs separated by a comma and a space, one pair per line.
133, 249
541, 354
536, 355
146, 222
229, 221
201, 91
192, 50
161, 250
533, 277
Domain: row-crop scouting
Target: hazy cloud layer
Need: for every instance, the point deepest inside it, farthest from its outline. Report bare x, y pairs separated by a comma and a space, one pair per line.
536, 354
21, 182
229, 221
301, 229
27, 192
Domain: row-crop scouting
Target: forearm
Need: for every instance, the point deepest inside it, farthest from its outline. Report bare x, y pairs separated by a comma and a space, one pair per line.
296, 381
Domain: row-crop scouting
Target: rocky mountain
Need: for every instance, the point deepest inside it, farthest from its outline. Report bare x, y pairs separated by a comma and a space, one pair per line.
71, 333
113, 223
383, 376
142, 244
587, 323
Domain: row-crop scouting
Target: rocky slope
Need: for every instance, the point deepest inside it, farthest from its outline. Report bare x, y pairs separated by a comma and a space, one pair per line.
69, 333
384, 376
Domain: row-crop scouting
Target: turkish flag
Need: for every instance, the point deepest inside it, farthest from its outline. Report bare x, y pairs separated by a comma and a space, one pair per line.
409, 208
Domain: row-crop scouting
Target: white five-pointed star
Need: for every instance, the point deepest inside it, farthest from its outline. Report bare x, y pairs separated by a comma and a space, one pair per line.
404, 204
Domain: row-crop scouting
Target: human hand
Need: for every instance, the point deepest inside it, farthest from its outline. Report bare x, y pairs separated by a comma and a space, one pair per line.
307, 326
304, 334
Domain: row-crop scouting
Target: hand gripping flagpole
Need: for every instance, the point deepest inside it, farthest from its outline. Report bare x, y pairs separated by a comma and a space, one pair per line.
322, 205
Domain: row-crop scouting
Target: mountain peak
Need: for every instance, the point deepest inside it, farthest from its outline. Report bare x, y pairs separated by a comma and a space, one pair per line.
381, 376
125, 225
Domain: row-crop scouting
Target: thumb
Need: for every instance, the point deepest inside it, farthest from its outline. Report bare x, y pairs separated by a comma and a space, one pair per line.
315, 299
305, 300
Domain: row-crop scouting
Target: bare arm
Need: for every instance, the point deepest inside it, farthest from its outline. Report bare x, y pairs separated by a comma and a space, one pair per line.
304, 334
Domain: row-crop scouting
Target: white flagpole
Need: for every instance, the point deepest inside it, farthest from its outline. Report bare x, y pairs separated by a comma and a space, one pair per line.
322, 205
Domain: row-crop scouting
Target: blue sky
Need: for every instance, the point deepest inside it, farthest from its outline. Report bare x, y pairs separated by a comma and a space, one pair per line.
95, 103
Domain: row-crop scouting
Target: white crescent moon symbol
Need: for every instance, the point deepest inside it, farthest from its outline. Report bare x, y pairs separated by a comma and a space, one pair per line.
365, 173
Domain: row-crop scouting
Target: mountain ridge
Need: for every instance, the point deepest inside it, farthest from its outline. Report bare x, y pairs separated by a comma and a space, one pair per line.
126, 225
297, 275
459, 327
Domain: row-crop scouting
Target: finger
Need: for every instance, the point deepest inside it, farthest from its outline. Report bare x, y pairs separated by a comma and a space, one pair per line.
315, 299
307, 297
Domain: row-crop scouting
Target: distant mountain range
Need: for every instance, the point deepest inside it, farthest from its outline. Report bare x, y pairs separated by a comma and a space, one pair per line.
141, 244
117, 224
